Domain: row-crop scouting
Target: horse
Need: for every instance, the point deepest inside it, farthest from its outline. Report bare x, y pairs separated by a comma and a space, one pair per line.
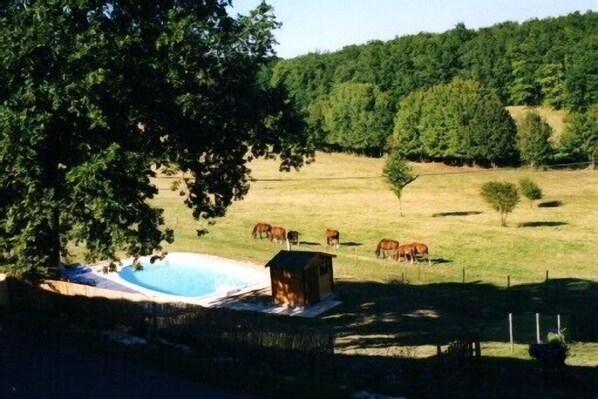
278, 233
406, 250
387, 245
421, 249
293, 237
262, 228
333, 238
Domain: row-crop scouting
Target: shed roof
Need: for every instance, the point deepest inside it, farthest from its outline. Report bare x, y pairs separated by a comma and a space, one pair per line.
295, 260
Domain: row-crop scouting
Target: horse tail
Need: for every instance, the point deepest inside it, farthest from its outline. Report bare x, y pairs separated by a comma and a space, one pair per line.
378, 249
254, 232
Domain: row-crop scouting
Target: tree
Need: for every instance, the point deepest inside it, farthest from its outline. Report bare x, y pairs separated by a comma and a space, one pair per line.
358, 117
530, 190
398, 175
501, 196
533, 140
490, 137
581, 138
460, 121
96, 95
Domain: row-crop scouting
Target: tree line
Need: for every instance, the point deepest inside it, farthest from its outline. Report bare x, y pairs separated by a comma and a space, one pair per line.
357, 98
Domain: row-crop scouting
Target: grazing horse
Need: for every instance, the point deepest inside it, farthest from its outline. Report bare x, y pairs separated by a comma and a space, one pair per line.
293, 237
421, 249
278, 233
260, 228
385, 246
333, 237
406, 250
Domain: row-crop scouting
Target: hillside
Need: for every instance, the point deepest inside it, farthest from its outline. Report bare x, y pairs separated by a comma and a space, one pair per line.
557, 119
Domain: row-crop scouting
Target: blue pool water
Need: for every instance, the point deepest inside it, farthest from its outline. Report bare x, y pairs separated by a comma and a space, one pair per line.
189, 276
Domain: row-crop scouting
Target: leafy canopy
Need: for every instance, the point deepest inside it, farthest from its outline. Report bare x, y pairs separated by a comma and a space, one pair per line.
97, 95
398, 174
581, 137
530, 190
501, 196
533, 140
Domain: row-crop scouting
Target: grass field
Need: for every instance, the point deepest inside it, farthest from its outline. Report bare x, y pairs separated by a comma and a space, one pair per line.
442, 208
388, 306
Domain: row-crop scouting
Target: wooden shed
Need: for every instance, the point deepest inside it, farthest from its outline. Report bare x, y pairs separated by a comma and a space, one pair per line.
301, 278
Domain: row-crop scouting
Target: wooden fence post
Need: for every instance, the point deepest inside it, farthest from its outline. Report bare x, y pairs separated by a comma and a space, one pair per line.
538, 328
463, 274
511, 332
508, 281
558, 324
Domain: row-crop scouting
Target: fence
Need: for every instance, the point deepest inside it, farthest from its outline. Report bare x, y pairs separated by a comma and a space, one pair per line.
267, 337
458, 358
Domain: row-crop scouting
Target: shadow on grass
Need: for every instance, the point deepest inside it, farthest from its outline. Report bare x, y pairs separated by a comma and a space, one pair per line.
310, 243
542, 224
550, 204
383, 315
461, 213
486, 377
350, 244
439, 261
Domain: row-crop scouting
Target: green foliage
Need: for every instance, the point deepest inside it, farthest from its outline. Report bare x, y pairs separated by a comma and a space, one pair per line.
398, 174
530, 190
525, 89
355, 117
501, 196
552, 352
95, 95
533, 140
581, 138
456, 122
552, 61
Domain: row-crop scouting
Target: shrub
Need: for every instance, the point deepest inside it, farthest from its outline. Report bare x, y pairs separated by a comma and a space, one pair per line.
501, 196
552, 352
530, 190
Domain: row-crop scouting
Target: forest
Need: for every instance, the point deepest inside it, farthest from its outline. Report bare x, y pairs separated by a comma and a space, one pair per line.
442, 96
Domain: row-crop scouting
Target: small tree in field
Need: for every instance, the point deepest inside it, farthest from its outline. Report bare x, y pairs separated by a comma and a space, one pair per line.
501, 196
530, 190
398, 174
533, 140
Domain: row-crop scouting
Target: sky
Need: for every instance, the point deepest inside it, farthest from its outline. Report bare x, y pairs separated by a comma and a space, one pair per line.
329, 25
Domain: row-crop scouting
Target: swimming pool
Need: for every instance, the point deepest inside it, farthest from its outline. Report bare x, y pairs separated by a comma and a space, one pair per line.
191, 276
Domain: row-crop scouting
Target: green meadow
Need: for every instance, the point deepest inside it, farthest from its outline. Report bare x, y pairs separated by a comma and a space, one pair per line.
442, 208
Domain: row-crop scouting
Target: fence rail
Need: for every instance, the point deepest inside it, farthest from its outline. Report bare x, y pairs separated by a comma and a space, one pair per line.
265, 336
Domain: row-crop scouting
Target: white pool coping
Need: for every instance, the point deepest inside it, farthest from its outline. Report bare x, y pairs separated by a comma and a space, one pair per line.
258, 275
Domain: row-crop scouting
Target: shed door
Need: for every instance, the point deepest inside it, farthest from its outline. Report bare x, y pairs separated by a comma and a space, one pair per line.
312, 289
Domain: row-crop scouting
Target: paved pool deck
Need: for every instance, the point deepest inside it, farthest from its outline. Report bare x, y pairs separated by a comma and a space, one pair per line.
254, 299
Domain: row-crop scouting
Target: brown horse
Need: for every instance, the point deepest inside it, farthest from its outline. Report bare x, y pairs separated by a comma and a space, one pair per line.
260, 228
278, 234
333, 238
421, 249
386, 246
406, 250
